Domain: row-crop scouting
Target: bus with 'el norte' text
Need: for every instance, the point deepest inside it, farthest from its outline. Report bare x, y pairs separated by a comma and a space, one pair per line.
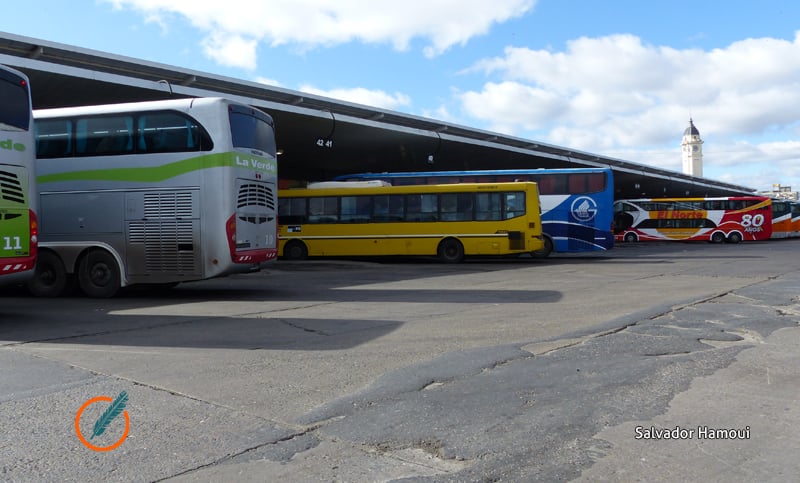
349, 219
156, 192
18, 220
576, 202
717, 220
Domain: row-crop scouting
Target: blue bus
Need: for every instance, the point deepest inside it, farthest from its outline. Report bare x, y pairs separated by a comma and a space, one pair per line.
577, 203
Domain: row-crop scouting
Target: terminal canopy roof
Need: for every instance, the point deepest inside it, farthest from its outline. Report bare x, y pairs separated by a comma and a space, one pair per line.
318, 137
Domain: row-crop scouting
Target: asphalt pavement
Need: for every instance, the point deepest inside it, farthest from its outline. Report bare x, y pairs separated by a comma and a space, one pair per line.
652, 363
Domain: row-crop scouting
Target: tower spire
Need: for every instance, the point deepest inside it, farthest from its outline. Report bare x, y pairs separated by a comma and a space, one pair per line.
692, 150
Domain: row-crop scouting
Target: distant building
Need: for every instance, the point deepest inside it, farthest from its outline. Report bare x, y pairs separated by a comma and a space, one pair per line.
692, 151
782, 192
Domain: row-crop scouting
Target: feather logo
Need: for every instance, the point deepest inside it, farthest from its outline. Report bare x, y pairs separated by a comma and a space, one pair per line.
110, 414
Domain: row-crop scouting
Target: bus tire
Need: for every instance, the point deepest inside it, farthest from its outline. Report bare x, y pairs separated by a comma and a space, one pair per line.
717, 237
631, 237
98, 274
734, 237
50, 278
450, 250
546, 250
295, 250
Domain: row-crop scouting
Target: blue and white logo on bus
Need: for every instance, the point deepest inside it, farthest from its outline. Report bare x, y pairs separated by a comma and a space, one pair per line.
583, 208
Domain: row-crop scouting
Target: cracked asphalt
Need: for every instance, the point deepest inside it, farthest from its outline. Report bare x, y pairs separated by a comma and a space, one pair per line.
570, 368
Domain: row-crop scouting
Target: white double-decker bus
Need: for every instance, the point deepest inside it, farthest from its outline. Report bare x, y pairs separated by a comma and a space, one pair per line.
18, 226
155, 192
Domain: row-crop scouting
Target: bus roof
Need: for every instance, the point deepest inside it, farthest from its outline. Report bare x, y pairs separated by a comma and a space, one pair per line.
475, 172
717, 198
129, 107
371, 183
410, 189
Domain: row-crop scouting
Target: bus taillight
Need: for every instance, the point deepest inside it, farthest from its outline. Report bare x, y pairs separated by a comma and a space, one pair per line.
34, 226
230, 231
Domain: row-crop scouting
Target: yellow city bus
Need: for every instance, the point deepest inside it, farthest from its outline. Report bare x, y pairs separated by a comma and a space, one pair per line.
448, 221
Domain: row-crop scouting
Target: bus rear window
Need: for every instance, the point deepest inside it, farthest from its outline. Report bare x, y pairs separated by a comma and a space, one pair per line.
16, 112
252, 129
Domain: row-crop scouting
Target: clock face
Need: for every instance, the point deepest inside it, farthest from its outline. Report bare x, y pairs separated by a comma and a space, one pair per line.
694, 148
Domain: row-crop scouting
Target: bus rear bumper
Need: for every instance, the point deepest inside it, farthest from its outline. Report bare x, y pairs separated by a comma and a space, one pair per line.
255, 257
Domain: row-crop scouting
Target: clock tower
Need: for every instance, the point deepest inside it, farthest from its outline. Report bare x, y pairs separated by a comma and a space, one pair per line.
692, 151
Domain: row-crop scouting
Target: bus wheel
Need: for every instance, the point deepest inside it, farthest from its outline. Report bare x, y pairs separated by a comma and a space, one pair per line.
98, 274
50, 278
295, 250
630, 237
450, 251
546, 250
717, 237
735, 237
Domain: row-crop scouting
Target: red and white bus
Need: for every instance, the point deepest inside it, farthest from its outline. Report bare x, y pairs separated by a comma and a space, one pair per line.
731, 219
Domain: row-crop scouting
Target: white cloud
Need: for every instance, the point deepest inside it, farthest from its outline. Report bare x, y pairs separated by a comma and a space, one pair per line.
267, 81
360, 95
615, 94
231, 50
243, 24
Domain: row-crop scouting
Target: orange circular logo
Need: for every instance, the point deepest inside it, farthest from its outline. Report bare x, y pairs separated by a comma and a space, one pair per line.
78, 423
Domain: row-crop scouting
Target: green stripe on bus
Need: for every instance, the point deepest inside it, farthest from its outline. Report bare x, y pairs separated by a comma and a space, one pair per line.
153, 174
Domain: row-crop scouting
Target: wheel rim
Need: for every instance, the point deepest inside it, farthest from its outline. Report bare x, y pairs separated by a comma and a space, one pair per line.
295, 251
450, 251
47, 276
100, 274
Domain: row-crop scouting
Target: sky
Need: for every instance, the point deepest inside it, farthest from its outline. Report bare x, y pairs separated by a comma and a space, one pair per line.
620, 78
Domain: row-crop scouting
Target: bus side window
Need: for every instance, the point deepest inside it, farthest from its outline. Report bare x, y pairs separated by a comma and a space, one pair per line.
597, 182
292, 211
53, 138
356, 209
577, 183
559, 184
169, 132
105, 135
387, 208
323, 209
547, 185
488, 207
449, 207
515, 204
422, 207
466, 206
456, 207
